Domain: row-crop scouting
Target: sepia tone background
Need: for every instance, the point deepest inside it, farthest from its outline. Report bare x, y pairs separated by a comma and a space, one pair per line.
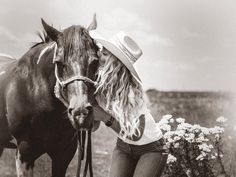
188, 67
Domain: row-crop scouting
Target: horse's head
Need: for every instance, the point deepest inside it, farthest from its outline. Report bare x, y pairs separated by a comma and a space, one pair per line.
76, 63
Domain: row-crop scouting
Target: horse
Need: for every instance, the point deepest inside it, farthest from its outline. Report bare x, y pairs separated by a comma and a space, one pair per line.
46, 97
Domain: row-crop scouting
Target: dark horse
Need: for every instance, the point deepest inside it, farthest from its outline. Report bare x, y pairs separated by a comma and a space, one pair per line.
52, 82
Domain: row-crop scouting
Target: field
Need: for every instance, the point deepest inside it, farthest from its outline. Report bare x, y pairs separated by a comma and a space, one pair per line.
197, 107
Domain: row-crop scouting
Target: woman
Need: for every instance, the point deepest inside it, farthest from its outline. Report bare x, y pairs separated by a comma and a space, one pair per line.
121, 106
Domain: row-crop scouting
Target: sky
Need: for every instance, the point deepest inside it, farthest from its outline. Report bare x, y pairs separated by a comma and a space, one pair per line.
188, 45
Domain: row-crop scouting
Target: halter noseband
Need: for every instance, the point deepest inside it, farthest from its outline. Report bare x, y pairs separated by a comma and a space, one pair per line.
63, 84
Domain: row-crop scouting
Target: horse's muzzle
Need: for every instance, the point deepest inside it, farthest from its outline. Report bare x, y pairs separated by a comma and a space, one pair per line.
81, 117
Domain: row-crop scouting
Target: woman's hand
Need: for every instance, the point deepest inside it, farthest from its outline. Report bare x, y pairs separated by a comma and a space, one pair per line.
100, 114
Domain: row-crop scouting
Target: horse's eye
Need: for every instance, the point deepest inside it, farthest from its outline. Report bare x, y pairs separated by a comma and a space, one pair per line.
93, 64
61, 65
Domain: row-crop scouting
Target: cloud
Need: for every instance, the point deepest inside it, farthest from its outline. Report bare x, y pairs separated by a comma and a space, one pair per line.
121, 19
206, 59
148, 38
175, 38
186, 67
187, 33
4, 33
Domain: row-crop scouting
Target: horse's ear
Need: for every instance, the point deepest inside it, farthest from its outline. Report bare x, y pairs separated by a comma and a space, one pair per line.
93, 25
51, 32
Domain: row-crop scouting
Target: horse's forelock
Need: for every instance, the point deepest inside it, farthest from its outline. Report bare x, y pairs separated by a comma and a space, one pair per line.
77, 42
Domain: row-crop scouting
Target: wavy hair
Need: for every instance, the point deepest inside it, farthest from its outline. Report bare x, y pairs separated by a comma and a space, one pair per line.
120, 94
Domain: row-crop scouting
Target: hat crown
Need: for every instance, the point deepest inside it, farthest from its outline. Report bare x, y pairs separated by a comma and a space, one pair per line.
123, 47
127, 45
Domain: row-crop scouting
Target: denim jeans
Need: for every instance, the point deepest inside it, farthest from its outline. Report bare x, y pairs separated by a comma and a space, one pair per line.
138, 161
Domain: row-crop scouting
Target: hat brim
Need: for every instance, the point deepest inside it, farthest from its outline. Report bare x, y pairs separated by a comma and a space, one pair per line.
119, 54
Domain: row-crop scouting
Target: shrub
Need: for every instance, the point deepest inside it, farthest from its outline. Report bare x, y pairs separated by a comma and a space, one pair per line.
194, 151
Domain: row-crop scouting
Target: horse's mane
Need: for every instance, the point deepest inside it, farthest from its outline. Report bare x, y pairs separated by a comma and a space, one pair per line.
44, 39
76, 41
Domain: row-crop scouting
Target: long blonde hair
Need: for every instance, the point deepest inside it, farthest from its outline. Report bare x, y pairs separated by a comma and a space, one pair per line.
120, 94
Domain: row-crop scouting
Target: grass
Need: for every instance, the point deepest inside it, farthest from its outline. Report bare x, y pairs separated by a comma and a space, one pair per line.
197, 107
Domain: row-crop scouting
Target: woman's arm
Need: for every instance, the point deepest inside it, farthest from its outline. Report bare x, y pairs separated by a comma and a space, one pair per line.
101, 115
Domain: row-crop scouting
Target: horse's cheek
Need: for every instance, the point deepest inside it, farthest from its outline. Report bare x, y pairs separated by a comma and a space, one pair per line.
96, 125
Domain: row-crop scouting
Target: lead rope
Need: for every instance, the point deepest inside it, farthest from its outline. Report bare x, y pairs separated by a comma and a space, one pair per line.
80, 153
82, 139
88, 162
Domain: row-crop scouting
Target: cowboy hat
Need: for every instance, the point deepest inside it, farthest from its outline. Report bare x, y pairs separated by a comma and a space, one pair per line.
123, 47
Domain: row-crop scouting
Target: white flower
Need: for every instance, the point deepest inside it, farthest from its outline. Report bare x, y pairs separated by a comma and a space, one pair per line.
190, 137
184, 126
196, 128
168, 137
216, 130
180, 120
167, 116
205, 130
162, 121
217, 137
169, 134
177, 138
188, 172
213, 157
176, 145
221, 119
201, 156
205, 147
172, 120
180, 133
171, 159
165, 127
201, 139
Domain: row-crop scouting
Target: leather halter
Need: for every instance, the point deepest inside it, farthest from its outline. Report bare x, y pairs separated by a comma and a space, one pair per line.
61, 85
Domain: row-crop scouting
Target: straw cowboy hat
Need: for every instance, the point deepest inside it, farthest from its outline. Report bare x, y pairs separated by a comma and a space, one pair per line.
123, 47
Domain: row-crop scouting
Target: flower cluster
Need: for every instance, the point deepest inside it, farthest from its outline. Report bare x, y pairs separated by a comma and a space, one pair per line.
192, 148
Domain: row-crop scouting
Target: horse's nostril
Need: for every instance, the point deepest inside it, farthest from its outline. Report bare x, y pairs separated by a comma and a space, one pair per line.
88, 107
84, 111
70, 111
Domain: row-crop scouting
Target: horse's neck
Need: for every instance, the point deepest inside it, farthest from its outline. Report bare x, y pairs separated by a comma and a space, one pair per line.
38, 75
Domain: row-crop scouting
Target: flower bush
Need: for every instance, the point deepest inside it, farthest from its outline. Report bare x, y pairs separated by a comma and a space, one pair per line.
194, 151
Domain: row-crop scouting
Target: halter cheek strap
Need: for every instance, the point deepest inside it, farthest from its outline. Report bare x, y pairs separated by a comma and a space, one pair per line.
58, 93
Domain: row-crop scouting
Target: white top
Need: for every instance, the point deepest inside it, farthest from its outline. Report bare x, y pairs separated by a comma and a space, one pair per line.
151, 131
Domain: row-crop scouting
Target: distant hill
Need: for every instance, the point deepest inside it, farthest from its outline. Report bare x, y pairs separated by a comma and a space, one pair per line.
197, 107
